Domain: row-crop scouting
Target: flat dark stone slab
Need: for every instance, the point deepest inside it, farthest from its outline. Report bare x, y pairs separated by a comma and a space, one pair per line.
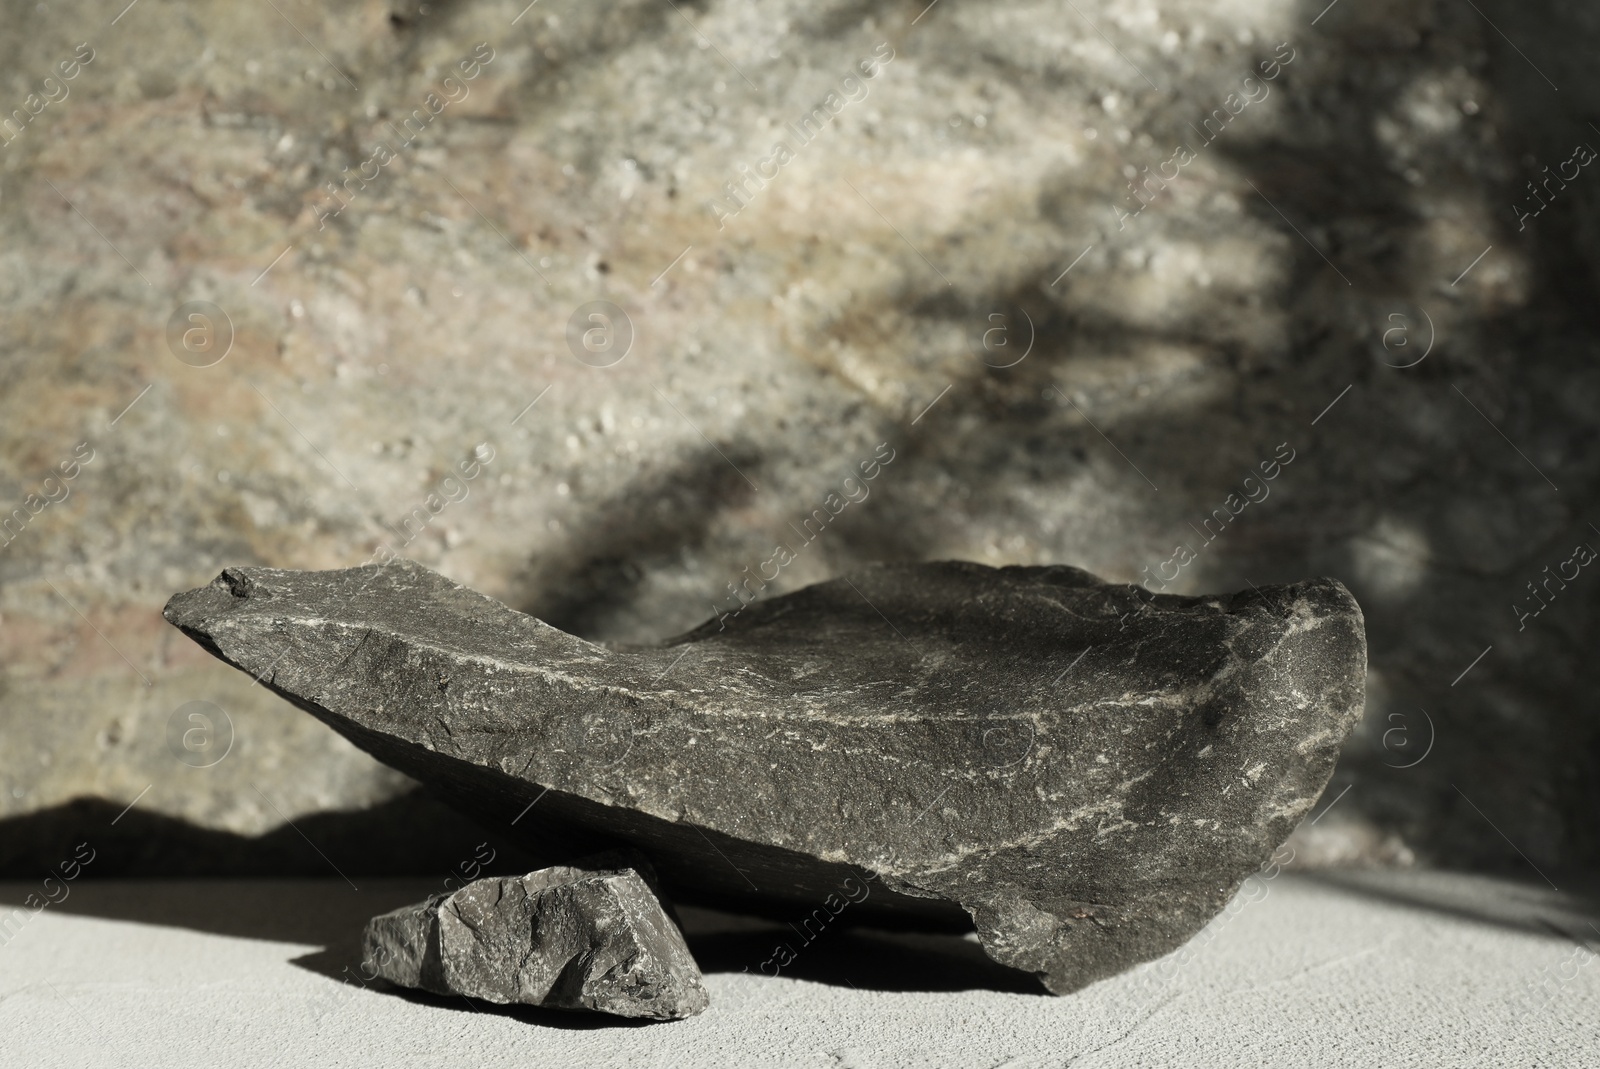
587, 937
1085, 770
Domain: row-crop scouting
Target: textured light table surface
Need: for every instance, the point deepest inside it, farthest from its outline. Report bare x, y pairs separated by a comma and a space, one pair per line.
1354, 970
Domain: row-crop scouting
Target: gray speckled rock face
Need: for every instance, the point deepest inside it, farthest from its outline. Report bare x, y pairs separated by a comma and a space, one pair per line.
1085, 770
1312, 246
587, 937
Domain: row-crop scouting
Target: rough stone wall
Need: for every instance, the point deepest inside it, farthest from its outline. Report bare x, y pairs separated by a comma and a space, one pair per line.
948, 256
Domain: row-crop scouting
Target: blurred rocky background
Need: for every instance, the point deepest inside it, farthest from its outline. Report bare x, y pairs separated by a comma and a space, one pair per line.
254, 337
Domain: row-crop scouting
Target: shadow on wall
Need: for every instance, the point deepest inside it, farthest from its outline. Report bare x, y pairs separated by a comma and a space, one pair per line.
652, 528
1430, 489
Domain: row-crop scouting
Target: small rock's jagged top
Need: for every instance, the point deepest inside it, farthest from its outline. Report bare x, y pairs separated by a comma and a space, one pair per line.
1085, 770
591, 936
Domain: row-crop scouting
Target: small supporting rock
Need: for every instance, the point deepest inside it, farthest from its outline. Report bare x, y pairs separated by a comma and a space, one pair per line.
591, 936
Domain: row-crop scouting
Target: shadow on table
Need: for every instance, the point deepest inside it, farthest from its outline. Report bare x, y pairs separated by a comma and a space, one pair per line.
375, 860
340, 963
311, 912
331, 915
860, 958
412, 834
864, 958
1567, 909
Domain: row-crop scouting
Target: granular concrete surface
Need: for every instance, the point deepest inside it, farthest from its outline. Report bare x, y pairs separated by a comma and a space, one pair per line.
1344, 969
